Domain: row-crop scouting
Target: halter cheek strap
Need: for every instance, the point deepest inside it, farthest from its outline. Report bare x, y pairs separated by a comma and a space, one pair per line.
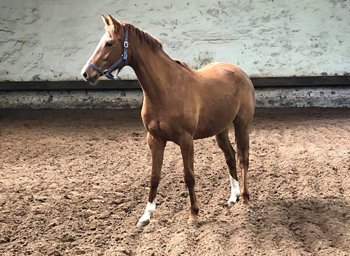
108, 72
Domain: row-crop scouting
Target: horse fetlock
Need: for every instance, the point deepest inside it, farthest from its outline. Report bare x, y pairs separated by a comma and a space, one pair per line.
146, 217
245, 198
194, 210
190, 181
235, 192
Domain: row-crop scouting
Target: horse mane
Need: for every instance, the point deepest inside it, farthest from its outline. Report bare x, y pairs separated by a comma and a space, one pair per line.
181, 63
147, 38
154, 43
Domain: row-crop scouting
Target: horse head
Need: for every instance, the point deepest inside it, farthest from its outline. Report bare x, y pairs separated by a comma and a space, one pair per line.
110, 53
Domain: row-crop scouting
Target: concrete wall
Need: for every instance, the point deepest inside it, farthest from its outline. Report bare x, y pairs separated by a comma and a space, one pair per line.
52, 39
338, 96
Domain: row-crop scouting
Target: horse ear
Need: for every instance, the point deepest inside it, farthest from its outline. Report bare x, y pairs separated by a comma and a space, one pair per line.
105, 20
113, 22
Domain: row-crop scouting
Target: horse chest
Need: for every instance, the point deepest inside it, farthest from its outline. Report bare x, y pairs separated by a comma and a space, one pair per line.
169, 121
162, 129
165, 127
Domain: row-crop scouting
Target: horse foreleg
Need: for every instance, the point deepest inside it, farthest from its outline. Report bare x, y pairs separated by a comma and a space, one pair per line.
156, 146
225, 145
187, 151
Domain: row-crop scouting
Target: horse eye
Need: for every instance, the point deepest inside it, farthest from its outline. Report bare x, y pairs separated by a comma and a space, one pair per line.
108, 44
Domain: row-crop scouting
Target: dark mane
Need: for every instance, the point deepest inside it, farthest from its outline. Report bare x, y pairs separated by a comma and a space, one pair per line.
143, 35
182, 63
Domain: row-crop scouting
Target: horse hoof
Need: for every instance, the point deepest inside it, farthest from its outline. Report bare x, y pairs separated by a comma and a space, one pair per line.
193, 223
245, 199
245, 202
142, 224
231, 201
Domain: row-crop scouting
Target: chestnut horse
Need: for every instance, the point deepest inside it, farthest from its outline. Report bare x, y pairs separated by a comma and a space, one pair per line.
180, 105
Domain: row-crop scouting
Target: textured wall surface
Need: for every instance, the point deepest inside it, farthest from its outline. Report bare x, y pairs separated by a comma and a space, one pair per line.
52, 40
114, 99
78, 99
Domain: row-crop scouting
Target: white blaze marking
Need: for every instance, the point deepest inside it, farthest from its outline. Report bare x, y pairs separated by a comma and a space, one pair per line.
104, 38
150, 209
234, 190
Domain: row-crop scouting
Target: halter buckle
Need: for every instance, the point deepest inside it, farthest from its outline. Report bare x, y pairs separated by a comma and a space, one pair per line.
126, 44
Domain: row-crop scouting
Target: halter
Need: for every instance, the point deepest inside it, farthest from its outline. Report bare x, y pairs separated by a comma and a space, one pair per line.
108, 71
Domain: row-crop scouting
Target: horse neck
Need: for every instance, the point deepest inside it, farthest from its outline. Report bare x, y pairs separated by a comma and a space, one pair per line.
152, 68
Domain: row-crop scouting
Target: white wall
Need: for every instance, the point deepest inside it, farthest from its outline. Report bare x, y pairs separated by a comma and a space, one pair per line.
52, 39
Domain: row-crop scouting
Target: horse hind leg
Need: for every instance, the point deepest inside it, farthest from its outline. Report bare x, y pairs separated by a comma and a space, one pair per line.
242, 140
187, 151
225, 145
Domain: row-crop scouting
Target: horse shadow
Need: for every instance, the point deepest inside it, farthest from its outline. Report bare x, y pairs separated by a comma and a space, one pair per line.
313, 224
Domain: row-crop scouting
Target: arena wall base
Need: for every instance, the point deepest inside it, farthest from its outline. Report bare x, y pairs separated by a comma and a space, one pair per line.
266, 97
67, 99
323, 97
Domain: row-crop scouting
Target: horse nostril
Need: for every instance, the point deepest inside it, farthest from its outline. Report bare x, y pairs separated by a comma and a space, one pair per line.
84, 75
92, 79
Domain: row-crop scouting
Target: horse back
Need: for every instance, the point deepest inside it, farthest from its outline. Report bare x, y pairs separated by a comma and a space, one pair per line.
227, 79
226, 92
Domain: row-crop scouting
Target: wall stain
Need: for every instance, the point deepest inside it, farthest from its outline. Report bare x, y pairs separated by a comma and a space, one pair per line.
335, 2
203, 59
213, 12
36, 78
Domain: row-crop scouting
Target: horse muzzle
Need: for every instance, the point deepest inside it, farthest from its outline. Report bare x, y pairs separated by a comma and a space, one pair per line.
91, 79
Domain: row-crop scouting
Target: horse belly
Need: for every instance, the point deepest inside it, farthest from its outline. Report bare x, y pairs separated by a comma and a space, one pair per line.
226, 88
215, 119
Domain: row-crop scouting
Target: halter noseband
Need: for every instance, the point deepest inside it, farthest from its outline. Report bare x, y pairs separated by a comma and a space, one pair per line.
108, 71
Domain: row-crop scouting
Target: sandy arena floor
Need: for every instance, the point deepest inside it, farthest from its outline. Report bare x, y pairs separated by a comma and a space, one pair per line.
75, 182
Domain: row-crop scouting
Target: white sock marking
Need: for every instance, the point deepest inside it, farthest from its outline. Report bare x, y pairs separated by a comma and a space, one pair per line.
234, 190
150, 209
